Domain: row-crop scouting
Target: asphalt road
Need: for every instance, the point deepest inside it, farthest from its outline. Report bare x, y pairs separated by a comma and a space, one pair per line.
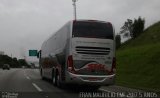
27, 83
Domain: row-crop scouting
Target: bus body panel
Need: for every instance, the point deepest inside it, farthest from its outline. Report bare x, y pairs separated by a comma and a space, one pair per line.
92, 57
54, 51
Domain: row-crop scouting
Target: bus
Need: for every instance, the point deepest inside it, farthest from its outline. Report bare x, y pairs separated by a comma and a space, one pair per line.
82, 52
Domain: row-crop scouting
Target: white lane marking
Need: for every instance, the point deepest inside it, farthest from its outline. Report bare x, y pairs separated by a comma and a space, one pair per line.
28, 77
104, 90
25, 73
38, 88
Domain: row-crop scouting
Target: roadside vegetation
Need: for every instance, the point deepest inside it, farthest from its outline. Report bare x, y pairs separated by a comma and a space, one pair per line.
13, 62
138, 61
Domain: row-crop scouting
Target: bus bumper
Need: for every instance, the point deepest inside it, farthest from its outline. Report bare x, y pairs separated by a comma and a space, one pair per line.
90, 79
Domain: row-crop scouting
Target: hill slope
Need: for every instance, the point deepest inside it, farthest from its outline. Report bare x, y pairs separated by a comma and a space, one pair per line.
138, 61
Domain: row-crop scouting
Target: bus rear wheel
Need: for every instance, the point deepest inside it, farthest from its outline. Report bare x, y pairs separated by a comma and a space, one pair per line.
58, 81
54, 80
41, 72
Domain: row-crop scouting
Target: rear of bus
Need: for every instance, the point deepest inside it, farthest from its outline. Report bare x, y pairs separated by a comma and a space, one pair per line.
91, 58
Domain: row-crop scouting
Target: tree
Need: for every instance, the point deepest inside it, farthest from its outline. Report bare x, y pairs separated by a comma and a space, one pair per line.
15, 62
118, 41
138, 27
127, 27
134, 28
5, 59
22, 62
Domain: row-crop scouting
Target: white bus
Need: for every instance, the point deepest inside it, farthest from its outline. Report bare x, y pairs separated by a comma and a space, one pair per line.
81, 52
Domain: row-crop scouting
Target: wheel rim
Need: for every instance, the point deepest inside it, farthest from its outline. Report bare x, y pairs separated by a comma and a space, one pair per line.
58, 81
41, 74
54, 80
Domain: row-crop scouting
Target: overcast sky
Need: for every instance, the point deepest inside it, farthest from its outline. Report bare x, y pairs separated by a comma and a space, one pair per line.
25, 24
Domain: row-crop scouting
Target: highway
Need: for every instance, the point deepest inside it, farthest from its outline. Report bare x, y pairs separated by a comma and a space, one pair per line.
27, 83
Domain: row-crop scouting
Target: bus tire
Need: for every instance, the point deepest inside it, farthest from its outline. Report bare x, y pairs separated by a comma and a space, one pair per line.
58, 80
42, 77
54, 80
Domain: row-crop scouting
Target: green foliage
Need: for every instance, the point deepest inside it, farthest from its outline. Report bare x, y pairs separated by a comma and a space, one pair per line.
22, 62
150, 36
127, 27
4, 59
138, 61
13, 62
138, 27
118, 41
134, 28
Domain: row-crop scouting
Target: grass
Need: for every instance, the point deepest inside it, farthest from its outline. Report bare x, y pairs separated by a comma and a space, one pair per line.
138, 61
150, 36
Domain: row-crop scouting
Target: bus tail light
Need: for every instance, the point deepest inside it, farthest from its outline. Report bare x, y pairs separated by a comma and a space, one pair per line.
113, 70
70, 64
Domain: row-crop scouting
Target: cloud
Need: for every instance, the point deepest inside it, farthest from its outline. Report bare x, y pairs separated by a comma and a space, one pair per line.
25, 24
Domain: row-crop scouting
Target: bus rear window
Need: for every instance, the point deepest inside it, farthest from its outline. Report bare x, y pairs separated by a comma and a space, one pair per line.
92, 30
